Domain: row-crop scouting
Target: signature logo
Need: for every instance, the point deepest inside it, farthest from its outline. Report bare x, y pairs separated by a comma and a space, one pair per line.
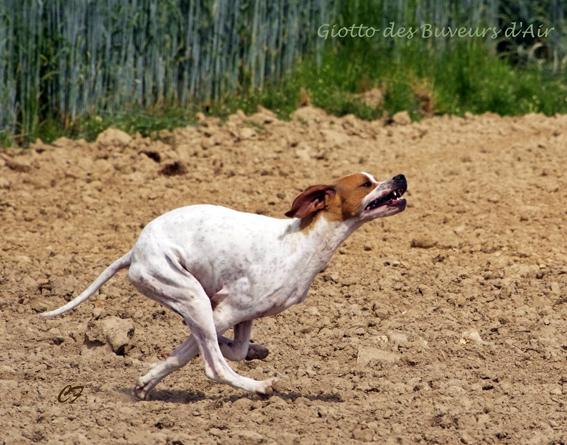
70, 393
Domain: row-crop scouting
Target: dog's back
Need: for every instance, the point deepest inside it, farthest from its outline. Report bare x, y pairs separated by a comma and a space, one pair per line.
216, 244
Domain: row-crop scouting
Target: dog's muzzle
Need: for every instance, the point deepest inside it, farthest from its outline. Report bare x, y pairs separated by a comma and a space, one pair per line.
395, 188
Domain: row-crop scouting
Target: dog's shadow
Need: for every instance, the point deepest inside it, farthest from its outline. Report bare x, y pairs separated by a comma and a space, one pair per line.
187, 397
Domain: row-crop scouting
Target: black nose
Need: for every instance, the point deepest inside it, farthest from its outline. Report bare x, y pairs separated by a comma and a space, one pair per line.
400, 183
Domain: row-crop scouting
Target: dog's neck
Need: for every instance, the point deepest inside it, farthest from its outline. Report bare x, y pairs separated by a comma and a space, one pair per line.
317, 245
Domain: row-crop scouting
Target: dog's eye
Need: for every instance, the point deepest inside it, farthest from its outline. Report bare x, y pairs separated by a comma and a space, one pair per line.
367, 184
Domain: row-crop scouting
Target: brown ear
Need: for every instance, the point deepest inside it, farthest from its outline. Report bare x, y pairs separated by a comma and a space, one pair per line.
310, 201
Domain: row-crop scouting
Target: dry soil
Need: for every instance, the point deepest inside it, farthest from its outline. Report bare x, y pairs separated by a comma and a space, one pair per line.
445, 324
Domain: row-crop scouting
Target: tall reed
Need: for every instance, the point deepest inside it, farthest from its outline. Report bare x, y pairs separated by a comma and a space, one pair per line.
63, 59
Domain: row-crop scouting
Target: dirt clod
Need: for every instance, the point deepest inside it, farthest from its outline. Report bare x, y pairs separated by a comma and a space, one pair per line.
113, 137
402, 118
115, 331
423, 243
368, 354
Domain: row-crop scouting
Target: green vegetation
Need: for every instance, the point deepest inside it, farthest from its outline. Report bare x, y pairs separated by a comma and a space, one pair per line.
435, 76
75, 68
425, 82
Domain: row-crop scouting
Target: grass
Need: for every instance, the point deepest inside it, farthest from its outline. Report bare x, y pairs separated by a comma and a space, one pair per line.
418, 80
133, 120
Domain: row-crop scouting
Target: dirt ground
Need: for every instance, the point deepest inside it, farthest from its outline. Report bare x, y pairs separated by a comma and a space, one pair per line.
445, 324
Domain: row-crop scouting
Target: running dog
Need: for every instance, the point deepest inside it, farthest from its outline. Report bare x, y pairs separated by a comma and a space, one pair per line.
220, 269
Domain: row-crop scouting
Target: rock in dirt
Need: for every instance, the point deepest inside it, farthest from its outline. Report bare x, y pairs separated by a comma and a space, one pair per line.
113, 137
308, 114
5, 183
63, 142
398, 338
263, 116
472, 335
335, 138
363, 435
401, 118
423, 243
304, 152
116, 332
97, 313
38, 305
56, 337
17, 166
368, 354
249, 436
247, 133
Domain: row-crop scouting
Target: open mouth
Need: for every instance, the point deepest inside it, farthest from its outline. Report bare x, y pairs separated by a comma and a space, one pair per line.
390, 199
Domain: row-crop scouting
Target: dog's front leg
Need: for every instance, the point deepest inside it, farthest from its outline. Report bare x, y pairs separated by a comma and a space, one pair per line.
237, 349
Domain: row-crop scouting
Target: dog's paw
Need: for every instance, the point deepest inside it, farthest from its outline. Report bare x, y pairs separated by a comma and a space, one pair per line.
257, 352
267, 386
140, 392
143, 388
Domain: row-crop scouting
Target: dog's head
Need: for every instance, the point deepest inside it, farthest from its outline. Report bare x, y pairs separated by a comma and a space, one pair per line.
358, 196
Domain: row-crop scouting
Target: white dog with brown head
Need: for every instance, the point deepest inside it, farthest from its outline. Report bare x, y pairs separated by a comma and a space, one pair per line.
220, 269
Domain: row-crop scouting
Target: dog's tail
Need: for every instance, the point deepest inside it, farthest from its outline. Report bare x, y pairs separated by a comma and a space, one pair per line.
120, 263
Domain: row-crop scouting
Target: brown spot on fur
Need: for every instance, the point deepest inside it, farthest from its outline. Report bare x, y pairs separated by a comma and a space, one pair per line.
351, 191
344, 203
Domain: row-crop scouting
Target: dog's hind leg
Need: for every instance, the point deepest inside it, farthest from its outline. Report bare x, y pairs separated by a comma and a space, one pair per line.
178, 358
238, 349
185, 352
180, 291
155, 289
205, 331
